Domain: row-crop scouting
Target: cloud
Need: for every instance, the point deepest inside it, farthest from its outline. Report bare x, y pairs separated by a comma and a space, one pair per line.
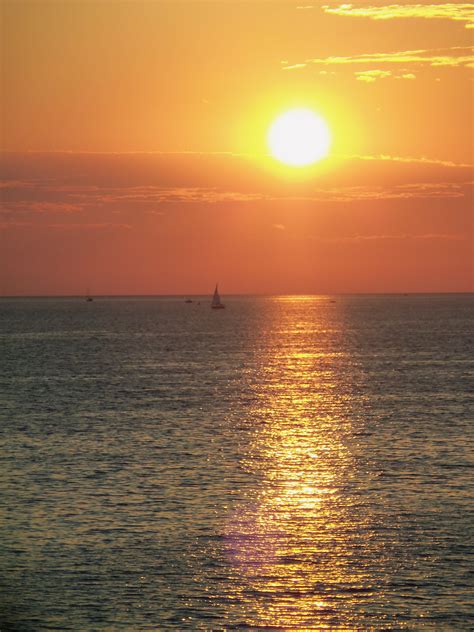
136, 187
372, 75
16, 184
104, 226
159, 195
453, 57
411, 159
60, 208
375, 193
293, 66
9, 224
355, 239
149, 194
130, 197
458, 12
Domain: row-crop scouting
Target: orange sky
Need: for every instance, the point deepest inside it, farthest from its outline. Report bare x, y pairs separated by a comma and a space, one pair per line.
133, 139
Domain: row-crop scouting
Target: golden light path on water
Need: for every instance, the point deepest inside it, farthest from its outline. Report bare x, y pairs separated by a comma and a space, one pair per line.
292, 541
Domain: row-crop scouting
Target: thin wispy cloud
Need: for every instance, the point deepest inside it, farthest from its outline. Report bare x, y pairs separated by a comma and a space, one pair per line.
70, 227
360, 239
16, 184
399, 192
153, 194
287, 66
42, 207
127, 199
6, 225
350, 179
93, 227
176, 194
453, 57
458, 12
412, 159
369, 76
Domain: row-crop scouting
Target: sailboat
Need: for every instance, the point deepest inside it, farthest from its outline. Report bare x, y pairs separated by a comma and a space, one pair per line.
216, 300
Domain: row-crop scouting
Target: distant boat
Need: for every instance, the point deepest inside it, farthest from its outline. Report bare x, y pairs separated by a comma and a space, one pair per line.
89, 299
216, 300
188, 300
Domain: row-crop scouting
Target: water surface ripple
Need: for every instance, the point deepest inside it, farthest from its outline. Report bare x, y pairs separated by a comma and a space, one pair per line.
287, 463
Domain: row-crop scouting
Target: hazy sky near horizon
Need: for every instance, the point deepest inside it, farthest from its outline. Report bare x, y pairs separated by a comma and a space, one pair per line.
134, 156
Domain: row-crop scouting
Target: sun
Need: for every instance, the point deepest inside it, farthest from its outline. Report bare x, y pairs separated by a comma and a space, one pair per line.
299, 137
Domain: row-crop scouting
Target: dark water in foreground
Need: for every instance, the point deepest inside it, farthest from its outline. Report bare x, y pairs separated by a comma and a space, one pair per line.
289, 463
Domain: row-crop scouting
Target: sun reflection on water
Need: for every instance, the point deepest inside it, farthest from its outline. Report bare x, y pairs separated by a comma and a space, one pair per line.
291, 541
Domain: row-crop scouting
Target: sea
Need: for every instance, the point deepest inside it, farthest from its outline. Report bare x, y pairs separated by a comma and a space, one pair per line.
286, 463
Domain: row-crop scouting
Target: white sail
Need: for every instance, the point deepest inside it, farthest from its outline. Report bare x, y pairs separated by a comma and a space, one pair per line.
216, 300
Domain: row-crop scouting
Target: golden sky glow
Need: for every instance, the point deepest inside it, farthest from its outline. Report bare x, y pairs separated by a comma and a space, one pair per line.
136, 160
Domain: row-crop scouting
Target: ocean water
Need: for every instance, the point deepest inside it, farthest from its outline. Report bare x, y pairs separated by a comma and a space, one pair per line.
288, 463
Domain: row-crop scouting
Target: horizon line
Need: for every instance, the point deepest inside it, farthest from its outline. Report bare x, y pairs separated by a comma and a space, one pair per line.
241, 294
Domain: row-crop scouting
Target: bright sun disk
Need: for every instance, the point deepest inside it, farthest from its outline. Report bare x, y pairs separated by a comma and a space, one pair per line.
299, 137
